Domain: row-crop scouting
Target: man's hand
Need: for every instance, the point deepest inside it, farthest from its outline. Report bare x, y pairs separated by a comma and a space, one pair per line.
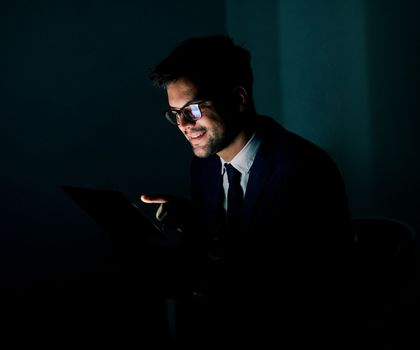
162, 211
172, 211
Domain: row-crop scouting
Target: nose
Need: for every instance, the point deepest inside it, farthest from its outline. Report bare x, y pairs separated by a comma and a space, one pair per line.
184, 122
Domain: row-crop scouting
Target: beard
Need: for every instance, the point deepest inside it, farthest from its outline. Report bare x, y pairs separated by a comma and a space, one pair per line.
216, 139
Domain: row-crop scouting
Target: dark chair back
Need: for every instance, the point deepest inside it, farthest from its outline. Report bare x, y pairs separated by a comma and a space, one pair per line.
384, 264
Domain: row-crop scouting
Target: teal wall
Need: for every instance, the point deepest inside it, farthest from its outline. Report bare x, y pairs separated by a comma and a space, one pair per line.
343, 74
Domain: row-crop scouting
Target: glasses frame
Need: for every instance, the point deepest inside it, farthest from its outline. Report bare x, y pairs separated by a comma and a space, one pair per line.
183, 112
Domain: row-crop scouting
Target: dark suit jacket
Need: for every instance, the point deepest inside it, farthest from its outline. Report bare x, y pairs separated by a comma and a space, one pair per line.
288, 257
295, 198
291, 179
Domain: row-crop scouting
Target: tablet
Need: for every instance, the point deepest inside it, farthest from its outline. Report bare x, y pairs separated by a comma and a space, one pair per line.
115, 213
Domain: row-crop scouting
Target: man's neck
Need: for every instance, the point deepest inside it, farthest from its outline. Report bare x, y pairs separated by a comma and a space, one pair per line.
239, 142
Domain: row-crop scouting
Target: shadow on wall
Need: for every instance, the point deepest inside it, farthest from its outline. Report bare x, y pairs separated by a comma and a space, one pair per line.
394, 75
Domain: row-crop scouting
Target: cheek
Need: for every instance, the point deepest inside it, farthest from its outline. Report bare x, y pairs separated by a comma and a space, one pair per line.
216, 131
213, 120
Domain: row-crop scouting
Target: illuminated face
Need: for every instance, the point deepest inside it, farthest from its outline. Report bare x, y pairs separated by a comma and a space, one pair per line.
207, 135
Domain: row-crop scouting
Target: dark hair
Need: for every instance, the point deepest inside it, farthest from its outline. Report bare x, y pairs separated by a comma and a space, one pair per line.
215, 64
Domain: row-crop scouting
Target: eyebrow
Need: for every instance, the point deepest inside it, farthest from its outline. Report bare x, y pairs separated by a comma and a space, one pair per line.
190, 102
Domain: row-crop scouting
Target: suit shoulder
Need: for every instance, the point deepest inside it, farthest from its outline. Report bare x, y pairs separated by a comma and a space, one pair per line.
287, 147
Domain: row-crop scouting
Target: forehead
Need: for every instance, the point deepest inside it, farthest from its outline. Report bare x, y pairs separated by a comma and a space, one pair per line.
181, 91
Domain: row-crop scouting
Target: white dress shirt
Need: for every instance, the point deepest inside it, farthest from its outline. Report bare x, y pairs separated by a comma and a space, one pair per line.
242, 162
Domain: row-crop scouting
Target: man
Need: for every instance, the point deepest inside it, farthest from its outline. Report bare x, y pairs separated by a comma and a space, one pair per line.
269, 248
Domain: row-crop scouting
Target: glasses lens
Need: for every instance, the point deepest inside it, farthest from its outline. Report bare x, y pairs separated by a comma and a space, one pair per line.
194, 112
190, 113
171, 116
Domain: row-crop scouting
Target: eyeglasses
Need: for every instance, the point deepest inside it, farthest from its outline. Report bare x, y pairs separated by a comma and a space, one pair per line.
191, 113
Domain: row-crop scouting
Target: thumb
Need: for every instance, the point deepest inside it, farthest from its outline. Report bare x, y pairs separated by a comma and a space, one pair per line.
153, 199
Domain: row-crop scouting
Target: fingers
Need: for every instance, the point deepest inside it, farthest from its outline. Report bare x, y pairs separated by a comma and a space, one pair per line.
162, 212
153, 199
170, 208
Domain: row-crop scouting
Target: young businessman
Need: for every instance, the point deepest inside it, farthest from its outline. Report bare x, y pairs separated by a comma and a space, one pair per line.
266, 230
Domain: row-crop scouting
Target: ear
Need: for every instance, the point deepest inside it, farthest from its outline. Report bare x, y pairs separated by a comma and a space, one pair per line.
241, 97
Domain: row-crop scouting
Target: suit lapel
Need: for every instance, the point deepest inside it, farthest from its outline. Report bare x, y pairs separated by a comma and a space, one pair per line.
258, 180
213, 190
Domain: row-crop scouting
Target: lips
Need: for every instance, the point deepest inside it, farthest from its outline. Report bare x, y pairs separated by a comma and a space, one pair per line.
195, 137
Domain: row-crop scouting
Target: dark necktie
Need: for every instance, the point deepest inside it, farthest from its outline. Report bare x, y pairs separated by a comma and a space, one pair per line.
235, 196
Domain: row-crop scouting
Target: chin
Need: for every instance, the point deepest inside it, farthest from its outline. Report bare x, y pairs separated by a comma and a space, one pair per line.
201, 152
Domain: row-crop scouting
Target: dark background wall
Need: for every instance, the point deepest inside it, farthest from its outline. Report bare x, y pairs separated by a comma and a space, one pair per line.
393, 61
77, 108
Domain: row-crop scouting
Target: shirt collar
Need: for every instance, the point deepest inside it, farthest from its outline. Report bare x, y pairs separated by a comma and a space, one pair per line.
244, 159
